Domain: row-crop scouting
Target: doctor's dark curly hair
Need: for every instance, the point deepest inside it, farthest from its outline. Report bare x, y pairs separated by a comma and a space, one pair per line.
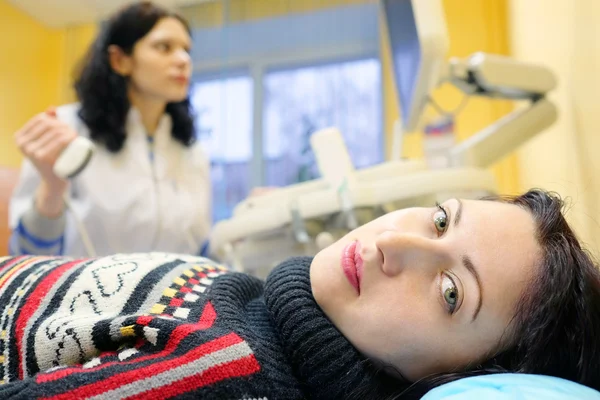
556, 325
103, 93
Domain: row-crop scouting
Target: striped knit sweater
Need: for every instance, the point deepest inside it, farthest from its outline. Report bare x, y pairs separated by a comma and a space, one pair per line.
166, 326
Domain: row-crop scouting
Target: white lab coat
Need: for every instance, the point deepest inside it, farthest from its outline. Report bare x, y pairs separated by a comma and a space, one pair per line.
127, 202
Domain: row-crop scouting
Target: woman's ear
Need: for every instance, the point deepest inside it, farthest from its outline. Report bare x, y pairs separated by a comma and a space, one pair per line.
120, 62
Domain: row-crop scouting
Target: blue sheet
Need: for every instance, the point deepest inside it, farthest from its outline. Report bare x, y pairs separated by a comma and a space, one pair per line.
512, 386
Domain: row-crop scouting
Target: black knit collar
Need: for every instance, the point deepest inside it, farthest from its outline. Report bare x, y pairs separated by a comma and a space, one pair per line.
328, 366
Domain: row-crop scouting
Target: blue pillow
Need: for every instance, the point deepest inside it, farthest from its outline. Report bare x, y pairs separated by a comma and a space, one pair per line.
512, 386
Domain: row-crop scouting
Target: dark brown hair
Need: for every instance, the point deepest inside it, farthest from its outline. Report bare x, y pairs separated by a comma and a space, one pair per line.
103, 93
556, 326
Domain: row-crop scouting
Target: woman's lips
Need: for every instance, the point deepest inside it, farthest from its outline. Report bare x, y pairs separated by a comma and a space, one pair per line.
352, 264
181, 79
358, 262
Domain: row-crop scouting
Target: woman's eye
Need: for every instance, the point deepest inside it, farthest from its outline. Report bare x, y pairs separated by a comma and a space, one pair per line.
440, 220
163, 47
449, 293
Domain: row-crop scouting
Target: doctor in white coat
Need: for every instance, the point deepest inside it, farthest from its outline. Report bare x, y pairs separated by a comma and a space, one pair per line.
147, 187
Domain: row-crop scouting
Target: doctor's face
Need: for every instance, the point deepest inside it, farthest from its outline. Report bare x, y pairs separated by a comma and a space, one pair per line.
429, 290
161, 64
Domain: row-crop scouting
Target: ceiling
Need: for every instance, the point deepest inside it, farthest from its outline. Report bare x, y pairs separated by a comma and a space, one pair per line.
61, 13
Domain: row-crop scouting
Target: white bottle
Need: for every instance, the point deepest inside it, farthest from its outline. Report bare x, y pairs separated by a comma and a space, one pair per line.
438, 139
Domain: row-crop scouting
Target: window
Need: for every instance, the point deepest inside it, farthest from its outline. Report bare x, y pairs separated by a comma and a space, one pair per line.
324, 71
300, 101
297, 102
223, 110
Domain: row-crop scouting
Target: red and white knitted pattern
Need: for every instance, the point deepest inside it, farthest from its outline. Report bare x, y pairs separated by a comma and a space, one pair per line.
126, 326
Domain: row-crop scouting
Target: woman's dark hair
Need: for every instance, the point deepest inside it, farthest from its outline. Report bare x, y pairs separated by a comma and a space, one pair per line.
103, 93
556, 326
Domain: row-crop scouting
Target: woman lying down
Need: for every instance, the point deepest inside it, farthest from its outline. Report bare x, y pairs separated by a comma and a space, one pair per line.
414, 299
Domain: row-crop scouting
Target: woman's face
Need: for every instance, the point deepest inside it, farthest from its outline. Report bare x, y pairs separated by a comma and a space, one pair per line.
429, 290
160, 65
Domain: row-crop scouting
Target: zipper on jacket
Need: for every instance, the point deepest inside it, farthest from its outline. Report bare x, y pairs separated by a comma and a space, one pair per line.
157, 234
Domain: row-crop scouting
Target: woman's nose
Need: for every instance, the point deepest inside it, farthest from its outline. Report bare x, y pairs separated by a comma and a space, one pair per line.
182, 57
403, 250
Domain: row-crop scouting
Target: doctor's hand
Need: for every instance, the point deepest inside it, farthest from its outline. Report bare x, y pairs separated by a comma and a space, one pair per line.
41, 140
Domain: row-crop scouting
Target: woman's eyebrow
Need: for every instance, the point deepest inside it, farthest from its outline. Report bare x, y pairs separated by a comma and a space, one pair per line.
458, 212
468, 264
471, 268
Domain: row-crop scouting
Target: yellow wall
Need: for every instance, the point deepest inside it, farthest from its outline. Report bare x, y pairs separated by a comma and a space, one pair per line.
77, 40
34, 72
28, 74
473, 25
565, 37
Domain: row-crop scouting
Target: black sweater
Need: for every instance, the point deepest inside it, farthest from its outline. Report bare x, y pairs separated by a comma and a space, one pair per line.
162, 326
